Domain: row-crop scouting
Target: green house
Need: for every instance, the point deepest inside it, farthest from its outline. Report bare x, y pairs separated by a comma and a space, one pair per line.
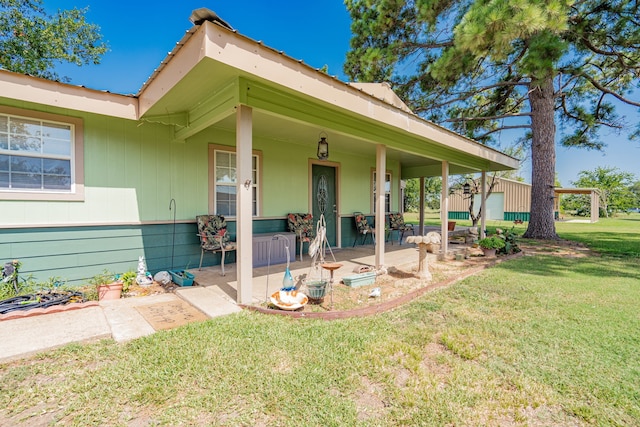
92, 180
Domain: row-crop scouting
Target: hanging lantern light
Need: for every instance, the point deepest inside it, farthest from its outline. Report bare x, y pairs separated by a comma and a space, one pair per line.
323, 148
466, 188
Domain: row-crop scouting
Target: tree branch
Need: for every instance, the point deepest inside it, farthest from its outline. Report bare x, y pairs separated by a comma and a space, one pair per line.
608, 91
501, 128
479, 118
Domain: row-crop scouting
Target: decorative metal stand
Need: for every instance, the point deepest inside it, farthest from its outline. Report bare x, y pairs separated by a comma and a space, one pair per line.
331, 267
316, 289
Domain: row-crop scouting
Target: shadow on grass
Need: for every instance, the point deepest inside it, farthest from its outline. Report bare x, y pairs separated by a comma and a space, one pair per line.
559, 266
612, 243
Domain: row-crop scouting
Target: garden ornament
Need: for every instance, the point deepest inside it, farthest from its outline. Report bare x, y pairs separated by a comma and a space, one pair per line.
422, 241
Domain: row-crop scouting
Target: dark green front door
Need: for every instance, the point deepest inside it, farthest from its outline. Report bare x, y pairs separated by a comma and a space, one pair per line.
324, 198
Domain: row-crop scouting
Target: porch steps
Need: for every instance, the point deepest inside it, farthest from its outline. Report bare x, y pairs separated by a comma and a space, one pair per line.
208, 300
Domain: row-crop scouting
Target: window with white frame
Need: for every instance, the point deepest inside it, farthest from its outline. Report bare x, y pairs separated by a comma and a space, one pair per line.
387, 191
225, 182
36, 155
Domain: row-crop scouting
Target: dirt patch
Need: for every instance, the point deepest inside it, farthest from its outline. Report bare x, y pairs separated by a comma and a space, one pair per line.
564, 248
397, 282
401, 283
368, 402
155, 288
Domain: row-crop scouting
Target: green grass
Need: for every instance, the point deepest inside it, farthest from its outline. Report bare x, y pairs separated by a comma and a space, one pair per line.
540, 340
617, 236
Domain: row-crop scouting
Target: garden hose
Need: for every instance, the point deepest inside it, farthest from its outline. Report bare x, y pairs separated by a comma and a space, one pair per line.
41, 299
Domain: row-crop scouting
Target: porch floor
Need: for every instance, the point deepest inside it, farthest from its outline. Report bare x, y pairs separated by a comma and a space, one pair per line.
222, 290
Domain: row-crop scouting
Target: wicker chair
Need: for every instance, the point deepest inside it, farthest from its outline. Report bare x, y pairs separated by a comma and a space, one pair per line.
212, 230
302, 225
396, 223
363, 228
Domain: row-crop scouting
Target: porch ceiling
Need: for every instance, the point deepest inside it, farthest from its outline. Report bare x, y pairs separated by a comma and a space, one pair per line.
216, 70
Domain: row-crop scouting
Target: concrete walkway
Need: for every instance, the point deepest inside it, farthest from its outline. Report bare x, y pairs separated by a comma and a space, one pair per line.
116, 319
215, 296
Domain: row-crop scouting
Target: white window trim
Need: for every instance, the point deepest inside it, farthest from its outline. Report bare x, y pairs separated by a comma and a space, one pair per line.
373, 194
212, 178
77, 159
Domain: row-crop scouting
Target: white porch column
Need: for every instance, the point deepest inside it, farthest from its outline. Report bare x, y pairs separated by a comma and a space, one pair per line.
381, 172
421, 208
244, 203
444, 209
483, 203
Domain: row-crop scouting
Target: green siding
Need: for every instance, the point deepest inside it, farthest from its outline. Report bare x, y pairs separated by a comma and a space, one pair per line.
458, 215
272, 225
512, 216
285, 174
133, 170
77, 253
349, 231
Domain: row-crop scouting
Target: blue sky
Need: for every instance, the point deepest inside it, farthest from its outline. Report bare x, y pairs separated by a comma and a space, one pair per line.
141, 33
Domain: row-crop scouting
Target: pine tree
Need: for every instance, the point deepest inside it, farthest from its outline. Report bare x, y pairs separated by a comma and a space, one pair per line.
485, 66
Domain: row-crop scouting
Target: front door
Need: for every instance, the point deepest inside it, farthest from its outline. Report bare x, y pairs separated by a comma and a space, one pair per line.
324, 198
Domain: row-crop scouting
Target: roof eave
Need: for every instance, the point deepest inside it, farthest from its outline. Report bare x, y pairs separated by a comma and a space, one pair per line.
37, 90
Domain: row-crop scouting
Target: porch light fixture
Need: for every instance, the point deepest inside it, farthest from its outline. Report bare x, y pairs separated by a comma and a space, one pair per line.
466, 188
323, 147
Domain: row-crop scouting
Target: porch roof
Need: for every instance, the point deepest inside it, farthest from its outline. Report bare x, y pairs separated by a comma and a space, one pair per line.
214, 69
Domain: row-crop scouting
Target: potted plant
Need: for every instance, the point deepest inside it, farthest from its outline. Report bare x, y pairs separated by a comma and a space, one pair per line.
127, 280
490, 244
107, 286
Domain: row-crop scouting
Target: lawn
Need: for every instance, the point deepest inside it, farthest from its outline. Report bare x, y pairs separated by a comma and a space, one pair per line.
550, 339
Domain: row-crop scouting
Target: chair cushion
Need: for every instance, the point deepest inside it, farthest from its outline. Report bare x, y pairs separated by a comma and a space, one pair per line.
362, 225
396, 222
302, 225
210, 229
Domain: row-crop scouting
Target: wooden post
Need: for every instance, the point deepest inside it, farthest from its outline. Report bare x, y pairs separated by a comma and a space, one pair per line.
244, 203
421, 208
444, 209
381, 172
483, 203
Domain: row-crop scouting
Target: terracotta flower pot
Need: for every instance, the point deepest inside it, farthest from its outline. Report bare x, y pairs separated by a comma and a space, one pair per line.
110, 291
489, 253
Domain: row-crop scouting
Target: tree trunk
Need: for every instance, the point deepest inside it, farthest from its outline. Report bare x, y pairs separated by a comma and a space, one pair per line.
474, 218
477, 190
543, 160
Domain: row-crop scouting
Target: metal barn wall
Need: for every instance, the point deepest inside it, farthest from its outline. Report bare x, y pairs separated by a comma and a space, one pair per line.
517, 199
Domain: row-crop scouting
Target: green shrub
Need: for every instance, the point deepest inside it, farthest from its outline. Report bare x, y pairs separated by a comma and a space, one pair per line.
510, 243
491, 242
